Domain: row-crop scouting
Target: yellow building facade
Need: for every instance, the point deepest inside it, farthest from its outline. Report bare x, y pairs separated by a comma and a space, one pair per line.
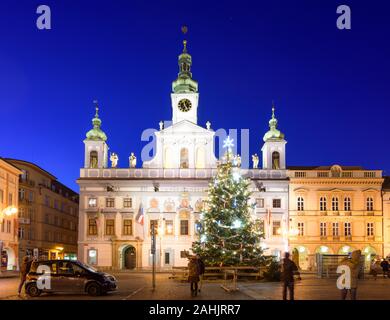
9, 183
335, 210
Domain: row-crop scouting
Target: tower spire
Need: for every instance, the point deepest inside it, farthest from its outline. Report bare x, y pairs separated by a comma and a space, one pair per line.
273, 133
184, 82
96, 132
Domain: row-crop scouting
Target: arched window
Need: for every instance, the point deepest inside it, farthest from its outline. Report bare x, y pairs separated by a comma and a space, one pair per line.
347, 204
300, 204
370, 204
322, 204
275, 160
184, 158
93, 159
335, 204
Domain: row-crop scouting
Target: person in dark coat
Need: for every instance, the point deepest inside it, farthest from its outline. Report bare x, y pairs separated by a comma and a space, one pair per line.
24, 270
193, 275
288, 270
201, 268
385, 268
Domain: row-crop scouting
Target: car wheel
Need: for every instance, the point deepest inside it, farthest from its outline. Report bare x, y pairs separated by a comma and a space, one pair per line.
94, 289
33, 291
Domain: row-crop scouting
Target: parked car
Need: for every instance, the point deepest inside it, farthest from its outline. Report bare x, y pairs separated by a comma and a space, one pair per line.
67, 276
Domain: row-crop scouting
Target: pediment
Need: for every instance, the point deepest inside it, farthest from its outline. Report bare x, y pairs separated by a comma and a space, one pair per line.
185, 126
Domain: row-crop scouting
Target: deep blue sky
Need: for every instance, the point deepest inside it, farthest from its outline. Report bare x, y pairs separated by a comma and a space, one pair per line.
331, 87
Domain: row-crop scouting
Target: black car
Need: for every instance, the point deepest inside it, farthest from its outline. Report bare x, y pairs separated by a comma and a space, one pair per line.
67, 276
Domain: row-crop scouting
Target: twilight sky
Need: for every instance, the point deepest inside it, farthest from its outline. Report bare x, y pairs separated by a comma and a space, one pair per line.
330, 86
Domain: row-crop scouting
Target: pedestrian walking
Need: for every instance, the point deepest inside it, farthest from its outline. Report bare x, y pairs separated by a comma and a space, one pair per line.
201, 268
354, 265
385, 268
193, 275
24, 270
288, 270
375, 268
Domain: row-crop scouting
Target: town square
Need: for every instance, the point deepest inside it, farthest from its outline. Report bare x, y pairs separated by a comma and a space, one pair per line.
194, 152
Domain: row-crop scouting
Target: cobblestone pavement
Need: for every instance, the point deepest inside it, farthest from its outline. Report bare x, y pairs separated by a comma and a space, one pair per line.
137, 286
312, 288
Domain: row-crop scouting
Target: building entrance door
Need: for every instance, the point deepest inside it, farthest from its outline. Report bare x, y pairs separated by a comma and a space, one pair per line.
130, 258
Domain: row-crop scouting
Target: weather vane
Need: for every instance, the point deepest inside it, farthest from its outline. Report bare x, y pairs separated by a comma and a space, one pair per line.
184, 29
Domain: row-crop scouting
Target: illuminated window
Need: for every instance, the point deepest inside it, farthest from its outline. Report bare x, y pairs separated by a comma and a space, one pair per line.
92, 257
276, 228
259, 203
92, 202
168, 227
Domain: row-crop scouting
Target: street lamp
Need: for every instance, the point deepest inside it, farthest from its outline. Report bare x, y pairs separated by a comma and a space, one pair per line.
160, 232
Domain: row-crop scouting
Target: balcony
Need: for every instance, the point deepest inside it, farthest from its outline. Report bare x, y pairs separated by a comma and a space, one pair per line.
323, 213
156, 173
27, 182
25, 201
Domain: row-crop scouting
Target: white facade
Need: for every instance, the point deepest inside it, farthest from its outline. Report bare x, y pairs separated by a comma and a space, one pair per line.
386, 216
170, 189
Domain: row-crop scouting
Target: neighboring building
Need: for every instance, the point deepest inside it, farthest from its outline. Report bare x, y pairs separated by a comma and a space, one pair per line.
334, 210
9, 182
48, 214
119, 205
386, 215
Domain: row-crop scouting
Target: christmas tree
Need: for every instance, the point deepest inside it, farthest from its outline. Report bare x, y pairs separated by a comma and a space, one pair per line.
228, 236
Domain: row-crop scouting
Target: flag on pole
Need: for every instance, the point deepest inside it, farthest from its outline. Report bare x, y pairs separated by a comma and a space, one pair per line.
140, 215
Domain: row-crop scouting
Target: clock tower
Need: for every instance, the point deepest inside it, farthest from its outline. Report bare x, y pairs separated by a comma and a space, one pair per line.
185, 96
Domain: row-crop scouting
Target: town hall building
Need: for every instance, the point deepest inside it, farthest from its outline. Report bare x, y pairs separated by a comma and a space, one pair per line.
120, 206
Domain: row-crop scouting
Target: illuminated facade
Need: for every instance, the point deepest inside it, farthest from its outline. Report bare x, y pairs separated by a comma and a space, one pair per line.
386, 215
170, 189
334, 210
9, 182
48, 214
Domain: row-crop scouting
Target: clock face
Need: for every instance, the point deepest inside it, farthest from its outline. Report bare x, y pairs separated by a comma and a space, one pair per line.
185, 105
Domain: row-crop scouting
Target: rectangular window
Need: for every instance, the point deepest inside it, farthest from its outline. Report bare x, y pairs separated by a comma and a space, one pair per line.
56, 205
92, 257
92, 227
110, 202
153, 224
184, 227
370, 229
92, 202
347, 229
276, 203
22, 193
259, 203
167, 256
169, 227
127, 202
10, 199
301, 228
323, 229
21, 233
8, 226
110, 227
335, 229
47, 218
128, 227
276, 228
260, 226
347, 204
31, 196
47, 201
1, 196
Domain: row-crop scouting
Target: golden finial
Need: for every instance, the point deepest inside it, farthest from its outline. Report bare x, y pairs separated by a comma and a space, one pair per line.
184, 29
273, 109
